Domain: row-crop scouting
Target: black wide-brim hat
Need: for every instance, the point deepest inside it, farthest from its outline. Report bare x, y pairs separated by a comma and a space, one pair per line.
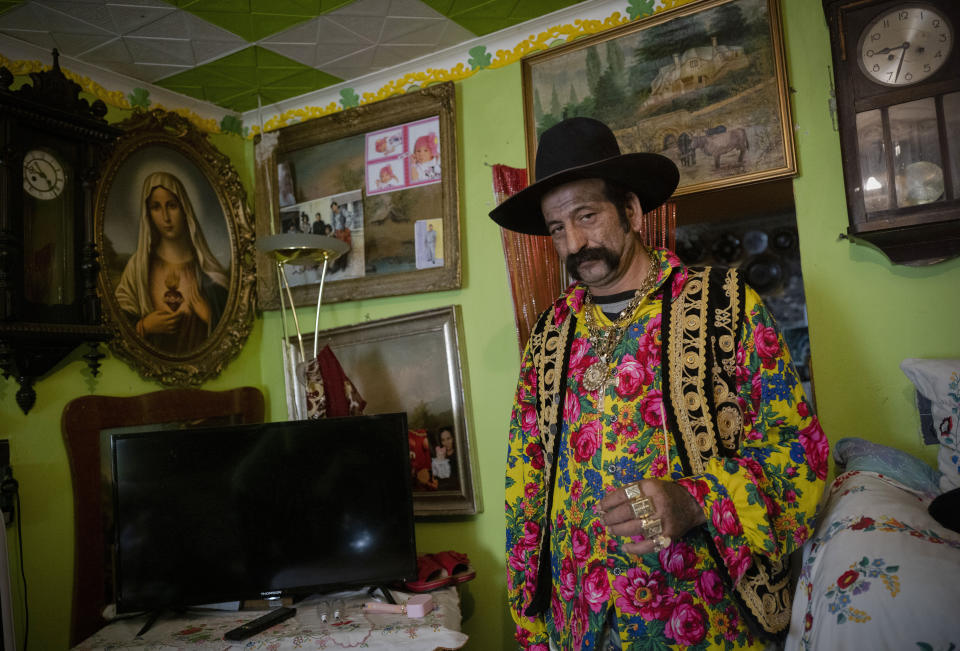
584, 148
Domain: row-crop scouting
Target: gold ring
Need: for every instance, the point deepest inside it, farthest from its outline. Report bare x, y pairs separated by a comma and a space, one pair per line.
661, 542
651, 528
633, 491
642, 507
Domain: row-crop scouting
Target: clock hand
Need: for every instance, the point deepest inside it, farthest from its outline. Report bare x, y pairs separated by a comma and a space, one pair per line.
903, 52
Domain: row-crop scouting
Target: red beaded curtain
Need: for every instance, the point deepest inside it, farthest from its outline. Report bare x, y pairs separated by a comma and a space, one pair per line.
535, 272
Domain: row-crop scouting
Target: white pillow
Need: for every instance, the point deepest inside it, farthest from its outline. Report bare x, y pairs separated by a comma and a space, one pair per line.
938, 381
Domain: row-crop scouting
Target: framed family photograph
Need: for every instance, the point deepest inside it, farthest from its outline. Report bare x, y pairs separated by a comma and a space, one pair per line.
703, 84
176, 251
409, 363
382, 178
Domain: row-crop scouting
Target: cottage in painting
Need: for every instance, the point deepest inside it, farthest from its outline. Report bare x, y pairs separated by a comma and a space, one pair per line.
696, 68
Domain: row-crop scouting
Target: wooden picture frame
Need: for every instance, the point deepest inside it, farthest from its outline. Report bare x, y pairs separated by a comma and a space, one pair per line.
704, 84
183, 327
409, 363
357, 175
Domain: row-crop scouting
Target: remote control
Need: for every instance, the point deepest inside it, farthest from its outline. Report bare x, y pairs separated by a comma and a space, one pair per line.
260, 623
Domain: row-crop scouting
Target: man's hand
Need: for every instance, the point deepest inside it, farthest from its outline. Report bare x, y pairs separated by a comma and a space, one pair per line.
677, 510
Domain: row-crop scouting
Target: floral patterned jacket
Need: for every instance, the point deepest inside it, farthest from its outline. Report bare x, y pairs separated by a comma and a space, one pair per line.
760, 501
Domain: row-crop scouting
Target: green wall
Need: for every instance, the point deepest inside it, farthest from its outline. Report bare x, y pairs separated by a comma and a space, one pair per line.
865, 316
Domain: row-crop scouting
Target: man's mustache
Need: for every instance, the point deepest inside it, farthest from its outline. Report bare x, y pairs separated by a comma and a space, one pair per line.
589, 254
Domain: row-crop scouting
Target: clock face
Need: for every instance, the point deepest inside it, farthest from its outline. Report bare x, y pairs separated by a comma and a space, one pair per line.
906, 45
43, 175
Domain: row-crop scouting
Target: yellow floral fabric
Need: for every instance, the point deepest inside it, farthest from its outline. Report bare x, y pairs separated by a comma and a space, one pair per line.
760, 501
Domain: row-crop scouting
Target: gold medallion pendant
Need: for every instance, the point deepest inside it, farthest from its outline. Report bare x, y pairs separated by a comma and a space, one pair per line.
595, 376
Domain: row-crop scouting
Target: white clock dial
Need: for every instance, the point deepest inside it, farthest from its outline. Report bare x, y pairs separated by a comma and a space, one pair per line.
43, 175
906, 45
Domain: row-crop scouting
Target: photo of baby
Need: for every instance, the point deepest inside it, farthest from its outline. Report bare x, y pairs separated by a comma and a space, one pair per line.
423, 160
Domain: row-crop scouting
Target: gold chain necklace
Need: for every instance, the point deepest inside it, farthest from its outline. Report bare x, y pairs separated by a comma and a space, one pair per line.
606, 339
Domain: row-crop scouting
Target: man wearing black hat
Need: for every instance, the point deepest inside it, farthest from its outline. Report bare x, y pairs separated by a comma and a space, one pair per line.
663, 460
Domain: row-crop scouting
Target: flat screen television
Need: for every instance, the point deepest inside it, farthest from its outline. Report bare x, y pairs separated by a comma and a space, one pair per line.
238, 512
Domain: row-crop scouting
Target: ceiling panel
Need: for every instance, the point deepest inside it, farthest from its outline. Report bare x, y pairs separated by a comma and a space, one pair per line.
229, 52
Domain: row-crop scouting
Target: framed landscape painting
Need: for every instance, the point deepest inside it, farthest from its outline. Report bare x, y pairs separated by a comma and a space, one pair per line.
704, 84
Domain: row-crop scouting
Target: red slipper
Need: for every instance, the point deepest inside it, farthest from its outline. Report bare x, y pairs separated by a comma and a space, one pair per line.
430, 575
457, 565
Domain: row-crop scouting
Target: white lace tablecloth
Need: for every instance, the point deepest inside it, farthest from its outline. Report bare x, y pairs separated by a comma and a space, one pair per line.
203, 629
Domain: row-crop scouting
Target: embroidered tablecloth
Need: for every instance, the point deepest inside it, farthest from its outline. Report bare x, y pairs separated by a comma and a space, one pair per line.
200, 630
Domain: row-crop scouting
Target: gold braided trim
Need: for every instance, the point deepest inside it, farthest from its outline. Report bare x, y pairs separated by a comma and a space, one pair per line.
686, 352
548, 349
725, 323
764, 588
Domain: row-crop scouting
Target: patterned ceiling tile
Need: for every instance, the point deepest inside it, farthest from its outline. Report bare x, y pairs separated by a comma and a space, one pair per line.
257, 19
317, 41
116, 56
7, 5
235, 80
490, 16
38, 24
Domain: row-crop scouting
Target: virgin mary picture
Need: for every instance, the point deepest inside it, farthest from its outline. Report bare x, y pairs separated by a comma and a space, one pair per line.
173, 289
175, 242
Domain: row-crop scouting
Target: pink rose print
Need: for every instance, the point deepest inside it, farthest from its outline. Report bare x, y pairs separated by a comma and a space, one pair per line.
596, 587
767, 344
754, 468
539, 646
803, 409
631, 377
528, 419
725, 519
531, 535
756, 390
650, 408
698, 488
581, 545
522, 636
576, 299
742, 373
816, 447
535, 452
710, 586
568, 579
560, 312
738, 560
556, 608
676, 285
578, 622
643, 594
687, 624
518, 562
680, 560
571, 407
579, 357
585, 441
648, 346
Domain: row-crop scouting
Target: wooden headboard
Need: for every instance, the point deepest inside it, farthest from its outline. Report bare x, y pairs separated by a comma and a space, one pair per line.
83, 418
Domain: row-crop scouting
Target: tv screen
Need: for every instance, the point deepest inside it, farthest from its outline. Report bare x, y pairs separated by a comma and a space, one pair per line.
249, 511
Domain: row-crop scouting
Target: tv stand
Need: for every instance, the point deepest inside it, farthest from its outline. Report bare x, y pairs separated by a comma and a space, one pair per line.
197, 629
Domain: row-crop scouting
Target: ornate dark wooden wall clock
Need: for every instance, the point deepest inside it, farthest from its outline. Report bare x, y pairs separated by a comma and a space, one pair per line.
52, 145
897, 74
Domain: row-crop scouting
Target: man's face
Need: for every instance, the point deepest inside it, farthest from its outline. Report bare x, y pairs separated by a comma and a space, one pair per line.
590, 235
